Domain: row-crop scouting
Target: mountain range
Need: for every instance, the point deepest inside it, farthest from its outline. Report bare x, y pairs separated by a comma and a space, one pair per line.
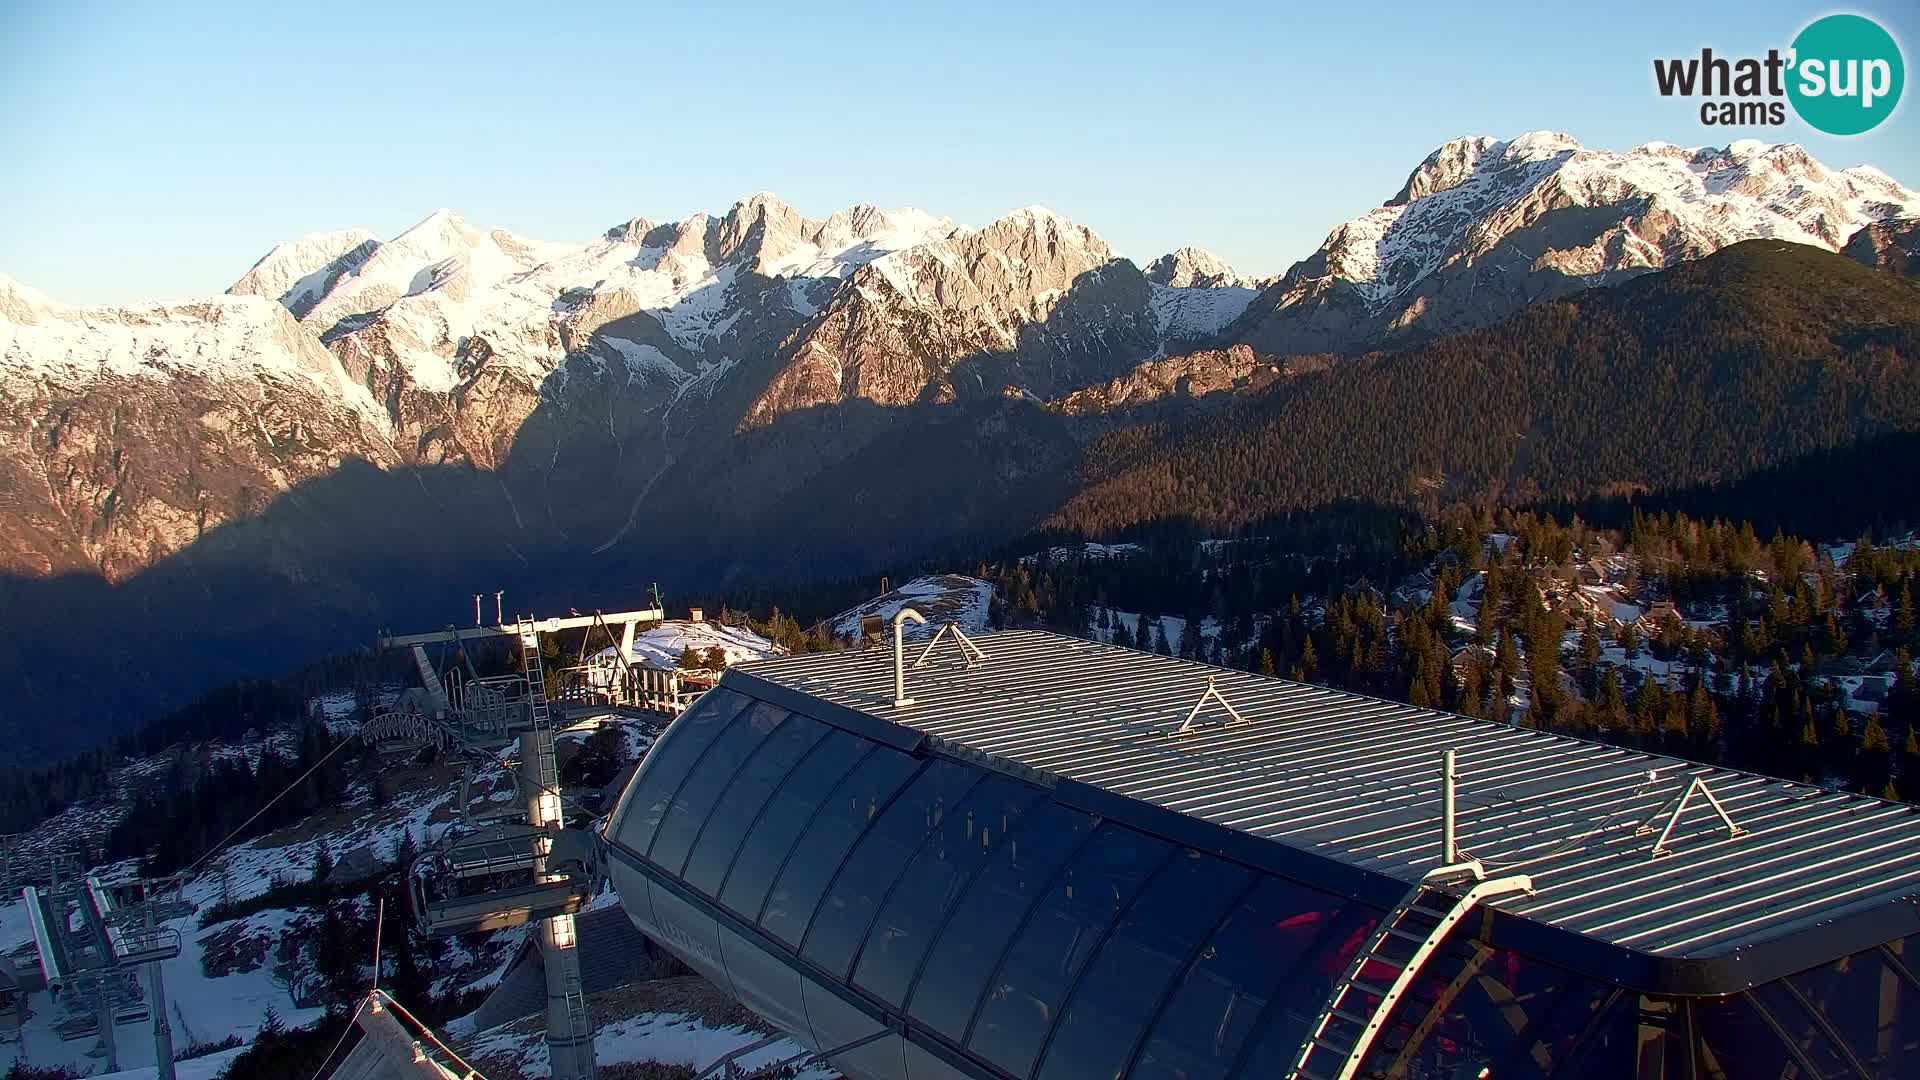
365, 430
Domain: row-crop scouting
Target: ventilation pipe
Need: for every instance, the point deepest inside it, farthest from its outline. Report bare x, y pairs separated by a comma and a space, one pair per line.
1448, 850
900, 619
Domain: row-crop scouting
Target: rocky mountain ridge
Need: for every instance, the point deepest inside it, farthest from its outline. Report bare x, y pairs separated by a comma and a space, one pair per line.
1483, 227
439, 346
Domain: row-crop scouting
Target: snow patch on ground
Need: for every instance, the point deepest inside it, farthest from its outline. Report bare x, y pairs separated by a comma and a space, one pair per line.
1088, 550
661, 646
942, 598
670, 1038
1174, 627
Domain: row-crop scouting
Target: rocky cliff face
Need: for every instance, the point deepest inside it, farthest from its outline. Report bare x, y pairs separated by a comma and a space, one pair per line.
1031, 302
1891, 245
1484, 227
126, 434
1187, 376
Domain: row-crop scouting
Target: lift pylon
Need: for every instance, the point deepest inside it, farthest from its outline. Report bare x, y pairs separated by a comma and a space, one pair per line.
507, 873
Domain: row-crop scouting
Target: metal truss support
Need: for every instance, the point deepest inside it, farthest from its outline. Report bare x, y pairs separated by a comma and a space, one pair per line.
1696, 784
1211, 693
968, 650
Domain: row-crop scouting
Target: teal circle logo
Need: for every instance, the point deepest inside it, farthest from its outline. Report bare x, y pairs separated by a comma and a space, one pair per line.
1847, 74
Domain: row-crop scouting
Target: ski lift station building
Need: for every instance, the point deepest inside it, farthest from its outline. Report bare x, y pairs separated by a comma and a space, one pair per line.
1065, 859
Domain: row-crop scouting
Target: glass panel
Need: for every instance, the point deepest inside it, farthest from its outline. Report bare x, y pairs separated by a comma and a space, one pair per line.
989, 913
1495, 1010
1874, 1010
668, 762
932, 882
1115, 1000
842, 920
1322, 940
792, 806
1204, 1026
829, 837
739, 803
1736, 1044
1792, 1016
689, 807
1066, 926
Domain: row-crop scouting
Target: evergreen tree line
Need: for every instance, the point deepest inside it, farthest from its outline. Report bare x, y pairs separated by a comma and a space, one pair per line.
1758, 357
203, 799
1759, 695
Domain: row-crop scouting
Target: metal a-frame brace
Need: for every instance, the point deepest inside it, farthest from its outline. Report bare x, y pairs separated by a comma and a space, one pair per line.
1211, 693
1699, 784
968, 650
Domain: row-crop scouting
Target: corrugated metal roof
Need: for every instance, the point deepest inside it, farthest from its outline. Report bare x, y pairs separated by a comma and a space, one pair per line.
1357, 779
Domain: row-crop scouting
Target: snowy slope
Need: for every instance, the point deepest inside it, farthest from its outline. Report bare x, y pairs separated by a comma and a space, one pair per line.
237, 337
299, 272
661, 646
941, 598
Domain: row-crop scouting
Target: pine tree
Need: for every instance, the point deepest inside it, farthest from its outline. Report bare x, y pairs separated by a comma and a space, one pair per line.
1840, 741
323, 863
1506, 660
1309, 662
1589, 656
1873, 762
1836, 638
1703, 724
1267, 665
1910, 767
1472, 687
1630, 640
404, 849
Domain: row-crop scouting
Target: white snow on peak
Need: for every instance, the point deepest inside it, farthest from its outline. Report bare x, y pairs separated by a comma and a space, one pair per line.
225, 336
423, 297
1469, 195
1536, 145
1189, 267
24, 304
297, 273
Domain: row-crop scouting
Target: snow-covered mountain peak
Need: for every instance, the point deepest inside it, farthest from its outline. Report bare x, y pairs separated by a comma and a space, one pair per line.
1482, 227
1192, 267
22, 304
297, 273
1444, 168
1020, 231
631, 231
1541, 145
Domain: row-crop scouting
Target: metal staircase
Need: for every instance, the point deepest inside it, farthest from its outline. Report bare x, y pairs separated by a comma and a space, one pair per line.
1385, 967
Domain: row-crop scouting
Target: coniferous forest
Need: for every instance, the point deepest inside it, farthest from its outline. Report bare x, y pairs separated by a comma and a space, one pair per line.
1740, 373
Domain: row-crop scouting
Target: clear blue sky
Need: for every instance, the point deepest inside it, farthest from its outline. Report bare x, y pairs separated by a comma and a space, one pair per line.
157, 150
